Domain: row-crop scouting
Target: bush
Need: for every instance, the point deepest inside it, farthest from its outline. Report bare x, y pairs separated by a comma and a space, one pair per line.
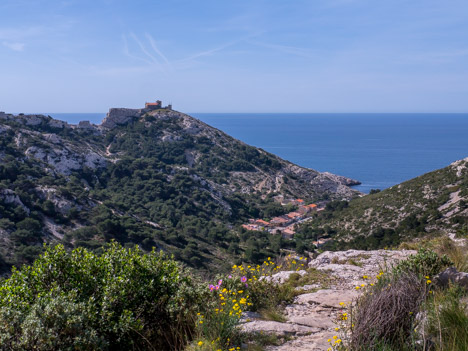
424, 263
120, 300
384, 315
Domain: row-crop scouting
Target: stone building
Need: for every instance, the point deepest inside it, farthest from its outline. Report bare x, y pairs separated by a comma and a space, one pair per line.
153, 105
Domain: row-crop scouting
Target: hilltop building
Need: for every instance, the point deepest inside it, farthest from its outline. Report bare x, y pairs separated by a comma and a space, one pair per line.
156, 105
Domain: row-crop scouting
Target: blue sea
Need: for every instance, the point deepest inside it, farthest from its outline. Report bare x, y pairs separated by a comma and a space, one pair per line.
379, 150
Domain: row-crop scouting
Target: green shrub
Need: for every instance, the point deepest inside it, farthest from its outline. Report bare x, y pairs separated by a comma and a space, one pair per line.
120, 300
424, 263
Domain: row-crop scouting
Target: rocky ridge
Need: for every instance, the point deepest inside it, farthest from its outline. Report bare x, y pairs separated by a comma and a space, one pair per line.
158, 172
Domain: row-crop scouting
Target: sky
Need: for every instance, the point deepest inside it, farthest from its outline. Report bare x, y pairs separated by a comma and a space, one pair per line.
234, 56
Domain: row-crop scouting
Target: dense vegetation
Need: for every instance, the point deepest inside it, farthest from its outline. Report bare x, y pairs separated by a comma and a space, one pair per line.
161, 184
433, 203
125, 299
120, 300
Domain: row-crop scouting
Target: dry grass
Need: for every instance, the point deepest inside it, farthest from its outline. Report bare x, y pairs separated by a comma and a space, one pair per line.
447, 320
457, 254
385, 314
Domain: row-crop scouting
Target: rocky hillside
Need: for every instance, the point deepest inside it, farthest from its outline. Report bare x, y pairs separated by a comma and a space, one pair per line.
436, 202
155, 178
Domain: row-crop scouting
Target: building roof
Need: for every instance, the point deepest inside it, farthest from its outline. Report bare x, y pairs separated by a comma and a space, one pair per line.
312, 206
262, 221
299, 200
293, 214
279, 220
153, 103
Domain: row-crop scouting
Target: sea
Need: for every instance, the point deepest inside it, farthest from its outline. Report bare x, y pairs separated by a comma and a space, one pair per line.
378, 149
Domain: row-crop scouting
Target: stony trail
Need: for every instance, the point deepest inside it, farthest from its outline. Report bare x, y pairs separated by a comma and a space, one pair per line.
311, 317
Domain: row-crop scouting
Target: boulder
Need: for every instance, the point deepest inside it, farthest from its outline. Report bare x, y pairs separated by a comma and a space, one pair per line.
451, 275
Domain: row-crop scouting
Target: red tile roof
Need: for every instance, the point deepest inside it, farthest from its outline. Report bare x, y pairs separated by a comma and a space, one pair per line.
262, 221
279, 220
293, 214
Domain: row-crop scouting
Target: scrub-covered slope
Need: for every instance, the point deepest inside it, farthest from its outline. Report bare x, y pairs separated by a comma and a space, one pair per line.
155, 178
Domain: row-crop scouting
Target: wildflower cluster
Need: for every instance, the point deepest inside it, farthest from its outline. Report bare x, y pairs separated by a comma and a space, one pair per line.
363, 285
224, 310
293, 262
263, 291
247, 287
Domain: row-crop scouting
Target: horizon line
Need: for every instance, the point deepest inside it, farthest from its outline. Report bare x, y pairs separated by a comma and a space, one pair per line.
247, 112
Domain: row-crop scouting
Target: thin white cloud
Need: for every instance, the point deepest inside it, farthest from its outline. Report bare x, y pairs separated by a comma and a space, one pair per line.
129, 54
14, 46
147, 56
219, 48
143, 48
156, 49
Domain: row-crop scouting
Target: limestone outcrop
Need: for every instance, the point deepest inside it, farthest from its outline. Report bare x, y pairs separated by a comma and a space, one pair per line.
310, 319
120, 116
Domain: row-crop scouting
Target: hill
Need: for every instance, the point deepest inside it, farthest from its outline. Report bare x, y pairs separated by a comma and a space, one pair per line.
149, 177
434, 203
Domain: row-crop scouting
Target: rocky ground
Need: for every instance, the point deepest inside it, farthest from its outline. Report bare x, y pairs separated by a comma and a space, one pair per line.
310, 319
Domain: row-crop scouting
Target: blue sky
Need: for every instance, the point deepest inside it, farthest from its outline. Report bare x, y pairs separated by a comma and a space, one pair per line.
234, 56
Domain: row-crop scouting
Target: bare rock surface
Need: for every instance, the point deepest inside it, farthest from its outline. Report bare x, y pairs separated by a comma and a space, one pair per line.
283, 276
451, 275
355, 267
278, 328
310, 319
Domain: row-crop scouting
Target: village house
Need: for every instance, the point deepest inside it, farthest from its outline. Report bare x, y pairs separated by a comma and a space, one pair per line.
298, 202
250, 226
288, 233
294, 215
261, 222
280, 221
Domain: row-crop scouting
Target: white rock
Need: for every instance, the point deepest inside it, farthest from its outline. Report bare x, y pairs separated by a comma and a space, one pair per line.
272, 327
283, 276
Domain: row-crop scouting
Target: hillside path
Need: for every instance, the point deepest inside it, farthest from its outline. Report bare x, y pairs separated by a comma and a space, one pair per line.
311, 317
